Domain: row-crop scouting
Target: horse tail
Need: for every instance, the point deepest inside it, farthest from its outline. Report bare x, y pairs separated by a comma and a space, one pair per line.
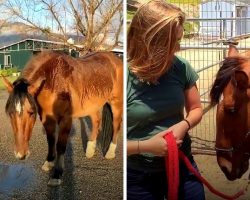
106, 134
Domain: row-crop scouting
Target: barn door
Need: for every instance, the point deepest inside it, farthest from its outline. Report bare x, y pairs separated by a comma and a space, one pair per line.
7, 60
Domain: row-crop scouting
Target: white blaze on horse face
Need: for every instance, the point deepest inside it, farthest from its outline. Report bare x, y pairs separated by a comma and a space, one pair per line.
18, 107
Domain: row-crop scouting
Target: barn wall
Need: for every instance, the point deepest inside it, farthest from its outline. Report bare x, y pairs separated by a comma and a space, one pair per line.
1, 58
20, 58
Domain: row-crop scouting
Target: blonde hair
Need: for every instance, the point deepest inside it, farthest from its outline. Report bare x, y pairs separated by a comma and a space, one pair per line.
153, 39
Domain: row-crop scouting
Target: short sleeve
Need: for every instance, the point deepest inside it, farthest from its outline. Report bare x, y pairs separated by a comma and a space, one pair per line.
191, 76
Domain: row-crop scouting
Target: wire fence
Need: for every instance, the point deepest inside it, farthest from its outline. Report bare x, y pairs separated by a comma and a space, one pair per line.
210, 26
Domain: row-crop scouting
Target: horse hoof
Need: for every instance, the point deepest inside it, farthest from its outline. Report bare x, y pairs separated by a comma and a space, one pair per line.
111, 152
54, 182
47, 166
90, 151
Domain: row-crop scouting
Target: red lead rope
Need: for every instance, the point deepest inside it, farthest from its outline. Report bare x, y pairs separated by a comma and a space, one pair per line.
172, 167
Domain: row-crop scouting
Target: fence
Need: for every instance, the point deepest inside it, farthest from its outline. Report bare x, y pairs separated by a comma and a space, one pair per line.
210, 24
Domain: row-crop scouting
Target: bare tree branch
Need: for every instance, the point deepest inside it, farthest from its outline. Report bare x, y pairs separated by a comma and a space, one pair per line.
50, 7
79, 24
95, 20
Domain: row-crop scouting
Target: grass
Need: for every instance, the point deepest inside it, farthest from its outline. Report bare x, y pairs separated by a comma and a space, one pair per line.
8, 72
10, 78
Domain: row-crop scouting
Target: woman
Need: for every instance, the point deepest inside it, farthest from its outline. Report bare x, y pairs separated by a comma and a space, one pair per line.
160, 85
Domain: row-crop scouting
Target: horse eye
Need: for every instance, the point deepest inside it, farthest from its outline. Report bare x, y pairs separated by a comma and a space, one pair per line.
31, 113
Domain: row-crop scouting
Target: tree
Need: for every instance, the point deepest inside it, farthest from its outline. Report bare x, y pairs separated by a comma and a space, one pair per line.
95, 20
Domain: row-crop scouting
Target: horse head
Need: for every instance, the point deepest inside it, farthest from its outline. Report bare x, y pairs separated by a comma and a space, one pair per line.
233, 114
21, 109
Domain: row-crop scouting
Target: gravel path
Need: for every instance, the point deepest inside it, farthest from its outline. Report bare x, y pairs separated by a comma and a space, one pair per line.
83, 178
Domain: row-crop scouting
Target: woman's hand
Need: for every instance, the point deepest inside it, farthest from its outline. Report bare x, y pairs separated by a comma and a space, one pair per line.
156, 145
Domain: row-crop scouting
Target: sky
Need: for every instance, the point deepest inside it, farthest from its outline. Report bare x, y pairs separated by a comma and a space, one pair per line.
40, 16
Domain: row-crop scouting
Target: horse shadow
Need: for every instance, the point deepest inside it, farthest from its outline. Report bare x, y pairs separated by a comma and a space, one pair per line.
67, 190
85, 127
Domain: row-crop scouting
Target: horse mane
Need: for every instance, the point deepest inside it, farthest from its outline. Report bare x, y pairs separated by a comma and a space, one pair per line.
58, 69
223, 76
18, 95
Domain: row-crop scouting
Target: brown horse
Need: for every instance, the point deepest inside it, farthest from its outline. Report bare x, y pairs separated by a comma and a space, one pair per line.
59, 88
233, 114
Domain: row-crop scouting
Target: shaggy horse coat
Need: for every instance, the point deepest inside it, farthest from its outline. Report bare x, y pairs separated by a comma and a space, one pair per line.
59, 88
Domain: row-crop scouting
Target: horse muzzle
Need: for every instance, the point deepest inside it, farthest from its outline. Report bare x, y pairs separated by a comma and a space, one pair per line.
234, 173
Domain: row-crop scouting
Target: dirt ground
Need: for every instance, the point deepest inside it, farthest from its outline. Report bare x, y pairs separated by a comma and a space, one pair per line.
83, 178
210, 170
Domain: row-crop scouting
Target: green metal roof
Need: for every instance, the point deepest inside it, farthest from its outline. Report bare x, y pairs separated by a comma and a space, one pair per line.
34, 40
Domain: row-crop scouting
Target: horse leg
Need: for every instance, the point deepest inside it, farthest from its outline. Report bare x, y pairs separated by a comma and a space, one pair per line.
50, 128
116, 107
91, 145
64, 130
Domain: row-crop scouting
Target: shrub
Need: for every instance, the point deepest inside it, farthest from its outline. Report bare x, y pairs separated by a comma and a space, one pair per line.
8, 72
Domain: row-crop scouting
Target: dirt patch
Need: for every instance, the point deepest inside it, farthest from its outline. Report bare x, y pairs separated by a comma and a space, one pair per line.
210, 170
83, 178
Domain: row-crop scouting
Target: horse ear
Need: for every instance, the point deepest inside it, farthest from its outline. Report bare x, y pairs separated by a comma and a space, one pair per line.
7, 84
35, 87
241, 79
233, 51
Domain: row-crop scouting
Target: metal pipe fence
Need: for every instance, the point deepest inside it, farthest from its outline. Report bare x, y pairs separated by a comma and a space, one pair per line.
210, 26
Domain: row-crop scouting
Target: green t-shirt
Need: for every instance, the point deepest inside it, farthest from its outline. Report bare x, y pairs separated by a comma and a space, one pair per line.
153, 108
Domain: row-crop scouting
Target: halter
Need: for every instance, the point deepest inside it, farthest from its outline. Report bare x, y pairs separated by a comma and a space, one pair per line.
231, 150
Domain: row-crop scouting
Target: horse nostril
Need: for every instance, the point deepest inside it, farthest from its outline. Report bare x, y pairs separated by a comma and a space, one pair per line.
224, 169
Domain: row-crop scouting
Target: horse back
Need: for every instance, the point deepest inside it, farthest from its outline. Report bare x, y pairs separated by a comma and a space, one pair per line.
107, 62
94, 78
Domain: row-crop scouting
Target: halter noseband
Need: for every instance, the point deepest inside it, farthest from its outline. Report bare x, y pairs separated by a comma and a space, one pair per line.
231, 150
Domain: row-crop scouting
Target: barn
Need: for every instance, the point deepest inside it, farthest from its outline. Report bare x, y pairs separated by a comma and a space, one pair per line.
17, 54
224, 18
